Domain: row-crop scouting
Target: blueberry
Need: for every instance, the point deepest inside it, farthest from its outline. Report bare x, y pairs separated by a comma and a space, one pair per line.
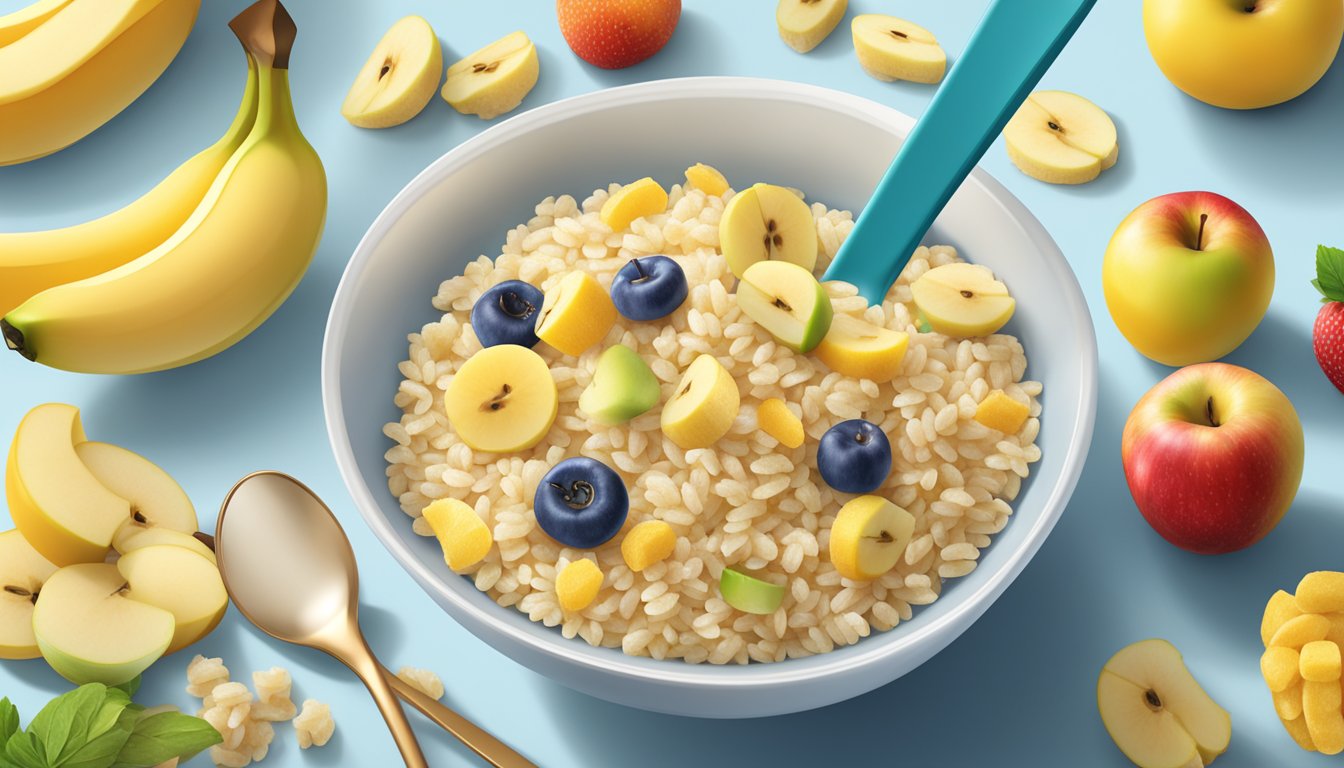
854, 456
581, 503
649, 288
507, 314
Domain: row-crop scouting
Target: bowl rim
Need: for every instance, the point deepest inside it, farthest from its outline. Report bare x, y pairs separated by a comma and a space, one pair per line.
551, 644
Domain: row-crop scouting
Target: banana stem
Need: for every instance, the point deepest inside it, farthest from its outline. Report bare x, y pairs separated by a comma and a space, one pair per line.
267, 31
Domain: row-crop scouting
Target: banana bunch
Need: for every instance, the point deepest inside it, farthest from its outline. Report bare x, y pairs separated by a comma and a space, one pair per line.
68, 66
195, 264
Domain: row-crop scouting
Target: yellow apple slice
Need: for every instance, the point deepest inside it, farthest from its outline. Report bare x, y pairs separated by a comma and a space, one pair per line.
22, 573
895, 49
707, 179
767, 223
1156, 712
89, 631
963, 300
181, 582
703, 406
493, 80
156, 500
859, 349
131, 538
635, 200
59, 505
576, 314
869, 536
786, 300
803, 24
502, 399
398, 79
1061, 138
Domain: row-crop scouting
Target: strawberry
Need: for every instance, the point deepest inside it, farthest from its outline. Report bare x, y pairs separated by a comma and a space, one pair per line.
1328, 336
617, 33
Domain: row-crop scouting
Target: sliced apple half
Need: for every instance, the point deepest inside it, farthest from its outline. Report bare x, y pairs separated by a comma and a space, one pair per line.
787, 301
22, 573
962, 300
181, 582
90, 631
156, 500
1156, 712
61, 507
399, 77
131, 538
765, 222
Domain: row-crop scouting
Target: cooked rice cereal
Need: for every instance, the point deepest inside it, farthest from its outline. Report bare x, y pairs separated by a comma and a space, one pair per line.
314, 725
747, 501
422, 680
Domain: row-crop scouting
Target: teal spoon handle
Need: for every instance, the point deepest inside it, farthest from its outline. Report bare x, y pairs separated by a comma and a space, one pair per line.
1005, 58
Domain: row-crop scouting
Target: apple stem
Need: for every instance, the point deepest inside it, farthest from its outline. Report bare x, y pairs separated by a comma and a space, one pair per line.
205, 539
1213, 422
1199, 237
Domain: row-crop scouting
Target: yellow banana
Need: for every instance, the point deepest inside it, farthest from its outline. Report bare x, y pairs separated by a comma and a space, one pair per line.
234, 261
21, 22
81, 66
31, 262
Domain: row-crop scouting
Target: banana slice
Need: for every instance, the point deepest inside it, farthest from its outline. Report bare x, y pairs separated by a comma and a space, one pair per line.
767, 223
495, 79
895, 49
398, 79
1061, 138
803, 24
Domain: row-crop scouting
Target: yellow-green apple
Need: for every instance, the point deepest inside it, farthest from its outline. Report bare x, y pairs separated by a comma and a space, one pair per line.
1243, 54
1187, 277
138, 538
156, 500
1213, 457
179, 581
786, 300
1155, 710
56, 501
90, 631
22, 573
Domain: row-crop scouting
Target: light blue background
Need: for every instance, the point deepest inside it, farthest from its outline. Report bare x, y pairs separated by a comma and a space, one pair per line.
1015, 690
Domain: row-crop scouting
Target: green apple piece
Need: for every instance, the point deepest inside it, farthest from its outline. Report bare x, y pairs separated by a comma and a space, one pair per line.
750, 594
787, 301
89, 631
622, 387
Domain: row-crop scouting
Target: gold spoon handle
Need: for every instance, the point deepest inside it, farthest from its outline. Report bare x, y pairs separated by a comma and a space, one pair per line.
476, 738
367, 668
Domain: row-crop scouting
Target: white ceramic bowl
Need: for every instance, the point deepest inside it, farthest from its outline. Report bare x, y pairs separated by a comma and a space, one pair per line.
833, 145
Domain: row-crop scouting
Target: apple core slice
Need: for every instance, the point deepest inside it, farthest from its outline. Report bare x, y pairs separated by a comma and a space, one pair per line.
89, 631
750, 594
155, 498
181, 582
399, 77
22, 573
962, 300
493, 80
502, 399
766, 222
787, 301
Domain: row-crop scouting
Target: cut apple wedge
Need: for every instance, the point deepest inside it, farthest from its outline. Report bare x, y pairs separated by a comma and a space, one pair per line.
962, 300
1156, 712
765, 222
493, 80
803, 24
56, 501
399, 77
131, 538
22, 573
181, 582
859, 349
786, 300
1061, 138
703, 406
89, 631
890, 49
155, 498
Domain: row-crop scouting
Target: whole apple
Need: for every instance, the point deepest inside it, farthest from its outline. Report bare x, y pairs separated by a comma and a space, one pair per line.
613, 34
1213, 457
1187, 277
1243, 54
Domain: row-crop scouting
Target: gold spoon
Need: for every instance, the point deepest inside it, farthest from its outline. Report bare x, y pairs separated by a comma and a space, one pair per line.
289, 569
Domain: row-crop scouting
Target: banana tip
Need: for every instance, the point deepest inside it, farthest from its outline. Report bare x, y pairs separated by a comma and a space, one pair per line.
14, 340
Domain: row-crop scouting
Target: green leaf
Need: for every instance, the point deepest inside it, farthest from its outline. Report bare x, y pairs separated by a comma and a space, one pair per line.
9, 721
100, 751
24, 750
63, 724
1329, 273
164, 736
129, 687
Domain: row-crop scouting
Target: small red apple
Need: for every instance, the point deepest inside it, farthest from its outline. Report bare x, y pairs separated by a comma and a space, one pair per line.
1213, 456
617, 33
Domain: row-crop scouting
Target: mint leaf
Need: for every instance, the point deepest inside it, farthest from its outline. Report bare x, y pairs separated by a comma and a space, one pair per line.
9, 721
129, 687
63, 724
164, 736
1329, 273
100, 751
24, 750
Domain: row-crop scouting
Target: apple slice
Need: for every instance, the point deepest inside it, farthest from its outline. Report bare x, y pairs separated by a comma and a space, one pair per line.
493, 80
56, 501
766, 222
890, 49
1156, 712
622, 387
22, 573
89, 631
156, 500
859, 349
750, 594
787, 301
398, 79
962, 300
1061, 138
703, 406
131, 538
181, 582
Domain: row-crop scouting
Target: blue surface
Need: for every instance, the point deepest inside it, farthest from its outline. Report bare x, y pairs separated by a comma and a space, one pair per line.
1015, 690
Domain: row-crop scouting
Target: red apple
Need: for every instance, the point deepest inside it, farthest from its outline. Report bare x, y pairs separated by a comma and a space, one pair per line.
617, 33
1187, 277
1213, 456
